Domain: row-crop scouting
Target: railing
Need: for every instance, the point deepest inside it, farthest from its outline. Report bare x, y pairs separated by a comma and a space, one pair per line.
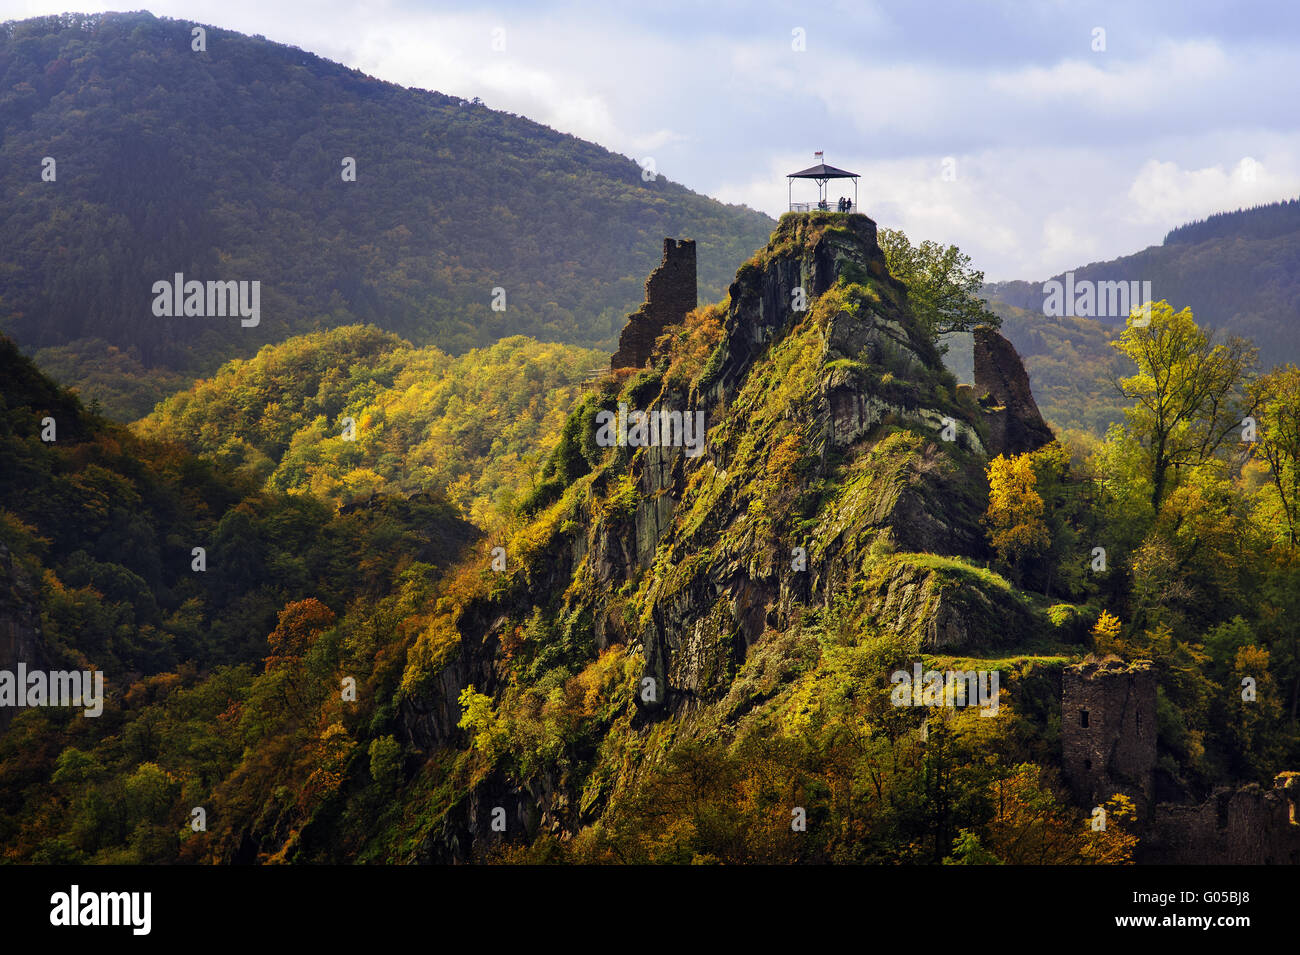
821, 207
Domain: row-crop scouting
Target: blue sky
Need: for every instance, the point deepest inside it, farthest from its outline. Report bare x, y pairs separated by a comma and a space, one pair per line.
1063, 154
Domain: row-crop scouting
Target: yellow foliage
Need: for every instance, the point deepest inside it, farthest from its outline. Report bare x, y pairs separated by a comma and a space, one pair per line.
1114, 844
1015, 512
1105, 634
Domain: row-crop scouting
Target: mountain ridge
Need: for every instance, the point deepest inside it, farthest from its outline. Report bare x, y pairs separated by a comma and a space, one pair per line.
1238, 271
159, 172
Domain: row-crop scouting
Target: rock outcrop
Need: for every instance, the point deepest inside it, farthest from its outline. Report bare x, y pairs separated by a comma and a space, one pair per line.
1014, 423
840, 458
670, 293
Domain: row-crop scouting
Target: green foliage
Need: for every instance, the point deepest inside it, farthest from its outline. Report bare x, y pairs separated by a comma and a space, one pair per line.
473, 428
99, 527
1276, 396
385, 761
942, 286
451, 200
777, 684
1188, 391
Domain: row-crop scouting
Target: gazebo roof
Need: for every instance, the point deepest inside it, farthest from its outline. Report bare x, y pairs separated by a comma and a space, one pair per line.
822, 171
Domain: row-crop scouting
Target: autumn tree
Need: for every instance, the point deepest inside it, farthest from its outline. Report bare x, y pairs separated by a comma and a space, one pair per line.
1112, 843
1105, 635
1030, 825
1015, 512
1250, 714
301, 622
1188, 391
1199, 557
1068, 514
329, 757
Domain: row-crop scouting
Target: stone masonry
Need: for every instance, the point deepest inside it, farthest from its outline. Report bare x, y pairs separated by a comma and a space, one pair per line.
1108, 742
1108, 731
1249, 825
670, 293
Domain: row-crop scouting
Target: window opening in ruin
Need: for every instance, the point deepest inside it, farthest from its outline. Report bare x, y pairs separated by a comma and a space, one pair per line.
1083, 718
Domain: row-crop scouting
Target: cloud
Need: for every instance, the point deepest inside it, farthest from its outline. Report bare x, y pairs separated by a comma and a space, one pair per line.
1109, 83
1163, 192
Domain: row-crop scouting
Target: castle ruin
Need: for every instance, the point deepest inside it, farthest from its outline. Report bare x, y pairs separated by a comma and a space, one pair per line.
1108, 746
670, 293
1248, 825
1108, 731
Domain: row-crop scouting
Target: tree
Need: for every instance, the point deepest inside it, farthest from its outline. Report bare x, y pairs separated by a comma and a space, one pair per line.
1197, 562
385, 761
301, 622
1105, 634
1277, 397
941, 285
1029, 824
1189, 391
1015, 512
1067, 513
1114, 844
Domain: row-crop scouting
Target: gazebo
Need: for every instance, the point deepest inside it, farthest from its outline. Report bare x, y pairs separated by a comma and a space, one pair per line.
823, 174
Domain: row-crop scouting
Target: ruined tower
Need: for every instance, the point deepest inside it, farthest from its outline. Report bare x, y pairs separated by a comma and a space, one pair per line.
1246, 825
1108, 731
669, 294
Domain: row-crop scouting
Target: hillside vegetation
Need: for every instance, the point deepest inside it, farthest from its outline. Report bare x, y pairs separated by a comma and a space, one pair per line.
475, 427
227, 165
670, 658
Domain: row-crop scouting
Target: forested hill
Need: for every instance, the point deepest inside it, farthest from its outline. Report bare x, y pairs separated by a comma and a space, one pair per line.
1258, 222
1238, 271
227, 164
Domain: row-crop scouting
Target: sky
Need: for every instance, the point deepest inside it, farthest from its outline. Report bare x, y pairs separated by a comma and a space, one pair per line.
1036, 136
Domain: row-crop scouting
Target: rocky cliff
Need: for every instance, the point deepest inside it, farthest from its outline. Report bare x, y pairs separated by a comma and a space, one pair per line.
1014, 423
841, 468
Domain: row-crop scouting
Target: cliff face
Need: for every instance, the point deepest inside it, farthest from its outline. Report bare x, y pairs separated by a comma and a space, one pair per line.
840, 465
1014, 423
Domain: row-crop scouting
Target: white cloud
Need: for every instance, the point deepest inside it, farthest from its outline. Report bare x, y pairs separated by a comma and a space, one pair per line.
1109, 82
1163, 192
